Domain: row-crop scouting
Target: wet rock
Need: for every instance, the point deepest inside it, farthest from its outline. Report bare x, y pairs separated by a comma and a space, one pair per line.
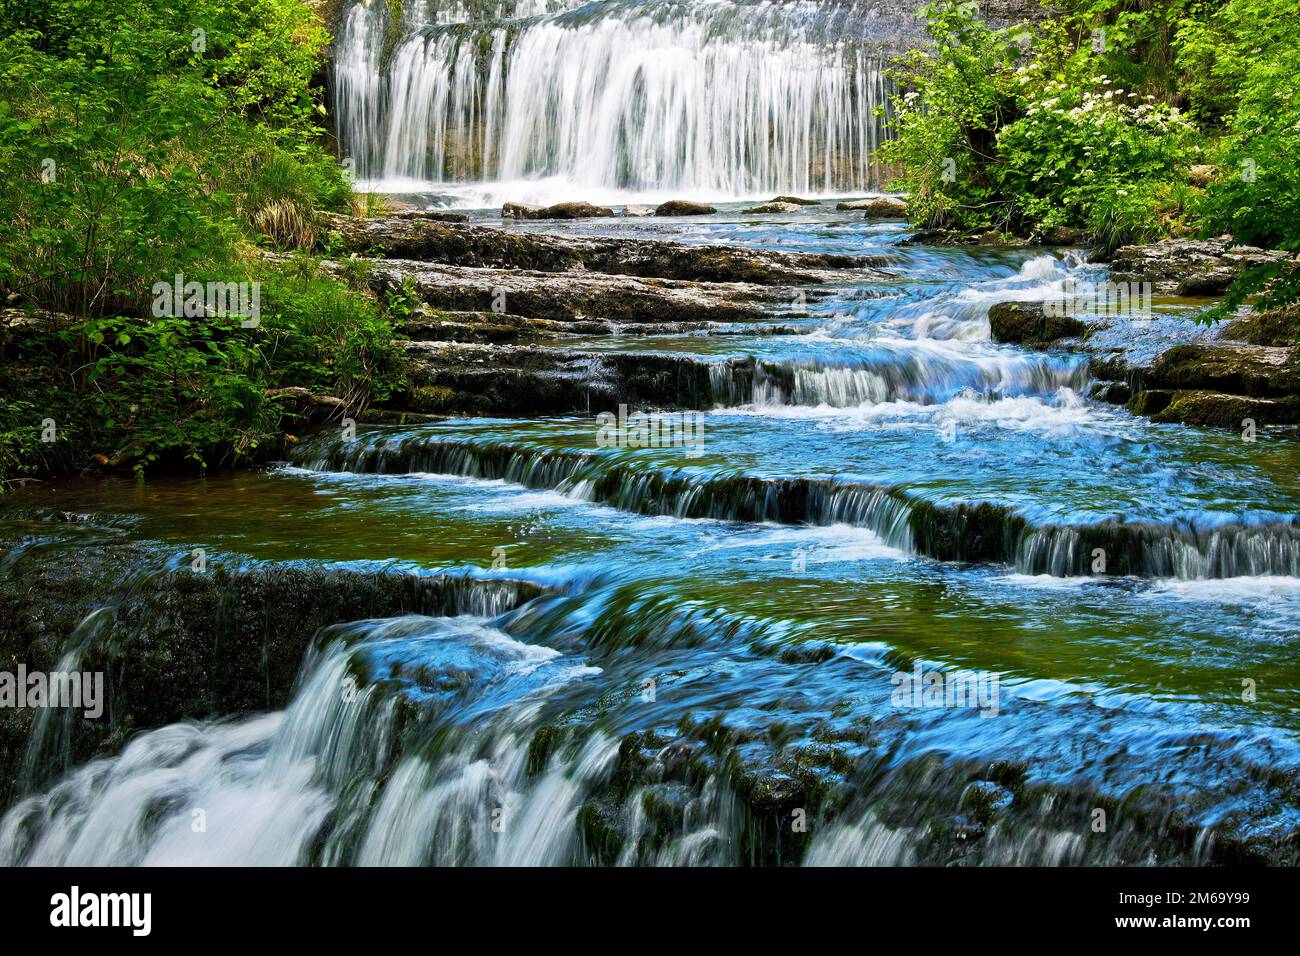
1190, 267
521, 210
795, 201
1111, 368
981, 532
569, 296
953, 237
1252, 370
488, 247
1116, 393
1029, 323
684, 207
562, 210
1272, 327
1217, 410
1065, 236
983, 800
576, 210
431, 325
773, 207
885, 207
532, 380
858, 205
638, 210
177, 645
431, 215
1150, 401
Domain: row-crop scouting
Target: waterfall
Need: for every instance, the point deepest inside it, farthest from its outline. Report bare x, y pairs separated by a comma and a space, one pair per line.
712, 98
445, 741
980, 532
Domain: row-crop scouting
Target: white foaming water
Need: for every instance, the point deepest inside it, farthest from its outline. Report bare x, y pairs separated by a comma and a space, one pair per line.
1237, 590
266, 790
710, 98
826, 544
924, 372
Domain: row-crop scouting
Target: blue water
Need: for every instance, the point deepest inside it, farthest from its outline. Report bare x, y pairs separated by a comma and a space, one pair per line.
741, 610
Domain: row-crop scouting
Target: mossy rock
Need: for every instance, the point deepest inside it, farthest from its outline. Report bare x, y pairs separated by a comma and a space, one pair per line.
1218, 410
1029, 323
1150, 401
1251, 370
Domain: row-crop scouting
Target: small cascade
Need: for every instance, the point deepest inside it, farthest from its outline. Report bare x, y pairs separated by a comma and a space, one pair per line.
981, 532
925, 373
529, 739
1180, 551
623, 483
716, 98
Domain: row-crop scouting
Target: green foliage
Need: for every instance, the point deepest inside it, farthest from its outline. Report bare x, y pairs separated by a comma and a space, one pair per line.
322, 336
175, 388
1249, 53
1035, 131
139, 140
1092, 155
957, 96
192, 391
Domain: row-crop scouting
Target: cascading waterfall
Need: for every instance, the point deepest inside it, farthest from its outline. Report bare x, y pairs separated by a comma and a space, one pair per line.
428, 741
715, 98
927, 373
960, 532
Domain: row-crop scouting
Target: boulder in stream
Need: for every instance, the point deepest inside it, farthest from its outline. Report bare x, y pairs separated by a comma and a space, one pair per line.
684, 207
1029, 323
885, 207
876, 207
561, 210
773, 207
1256, 370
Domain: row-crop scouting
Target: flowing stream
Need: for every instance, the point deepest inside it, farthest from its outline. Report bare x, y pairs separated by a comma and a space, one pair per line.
697, 654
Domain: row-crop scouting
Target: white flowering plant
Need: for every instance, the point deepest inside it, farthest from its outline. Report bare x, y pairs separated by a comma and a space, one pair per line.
1090, 154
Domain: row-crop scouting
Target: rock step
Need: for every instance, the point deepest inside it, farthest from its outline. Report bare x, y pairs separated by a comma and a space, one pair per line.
177, 645
529, 380
484, 246
1029, 323
1190, 267
573, 296
501, 328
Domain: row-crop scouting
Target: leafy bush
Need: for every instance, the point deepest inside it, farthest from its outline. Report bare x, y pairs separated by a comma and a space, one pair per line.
1023, 130
1095, 156
956, 97
322, 336
138, 141
1249, 53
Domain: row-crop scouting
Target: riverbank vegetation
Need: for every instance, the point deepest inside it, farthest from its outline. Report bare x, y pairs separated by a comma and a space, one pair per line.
143, 143
1119, 120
